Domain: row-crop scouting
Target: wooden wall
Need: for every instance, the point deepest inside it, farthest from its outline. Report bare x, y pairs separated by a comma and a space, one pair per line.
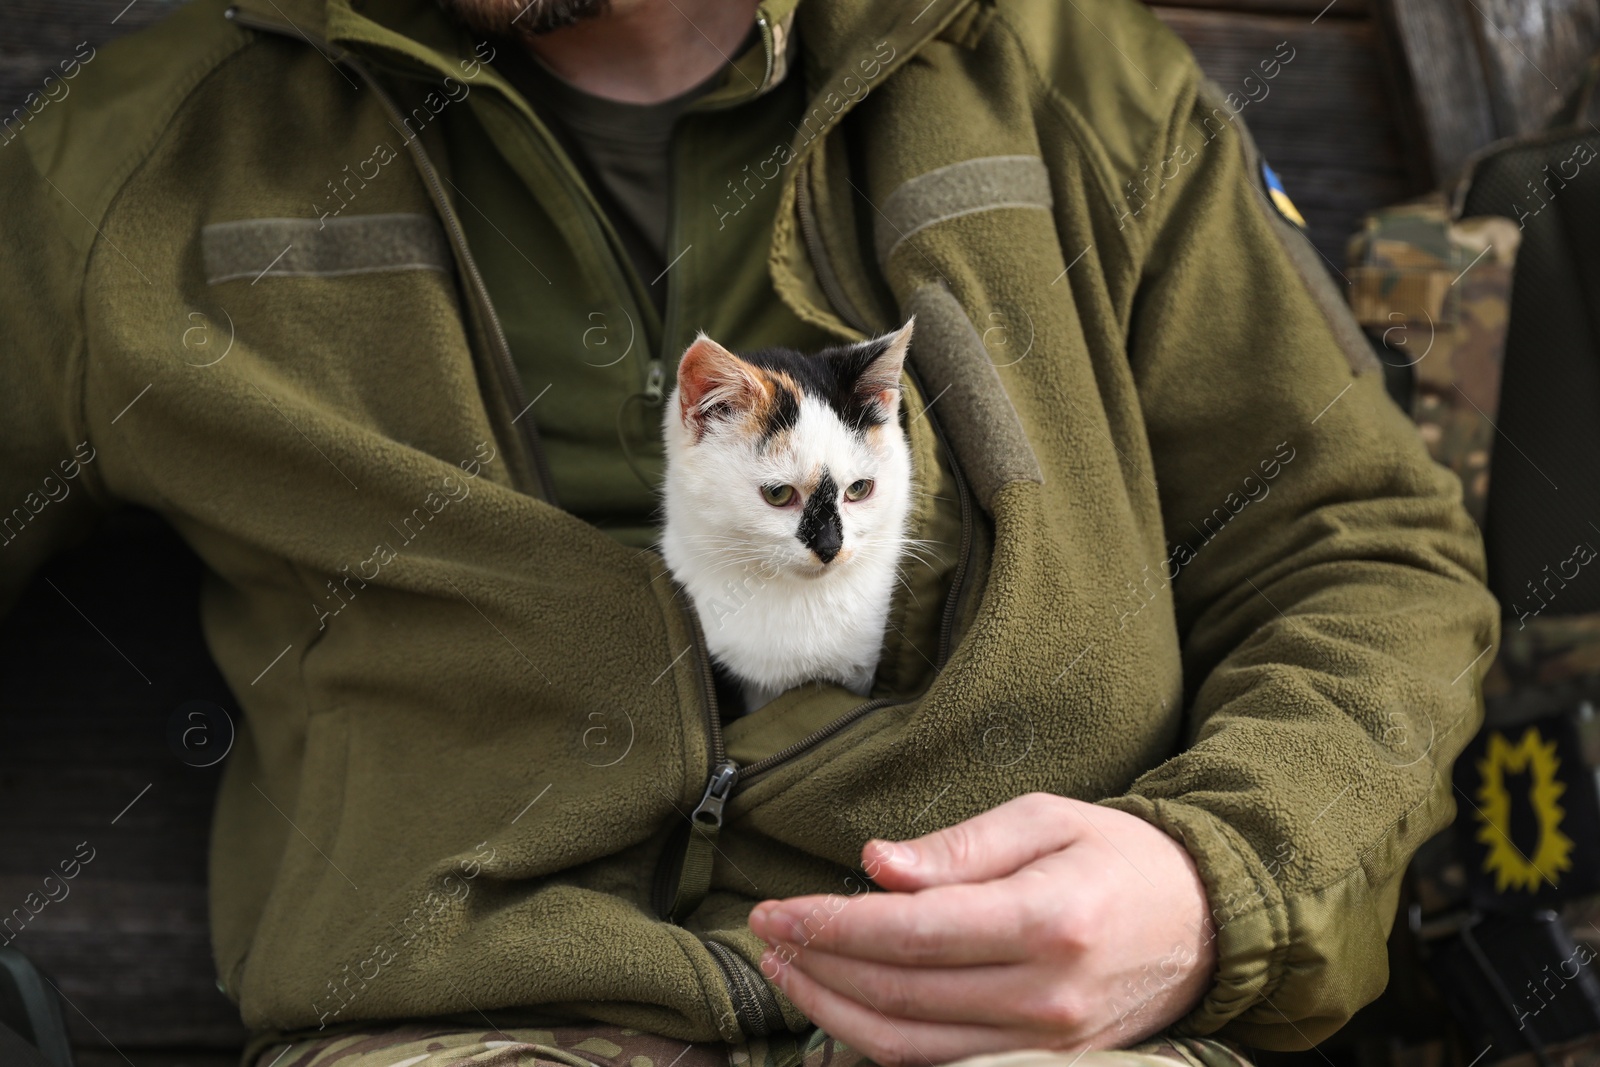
104, 649
1324, 122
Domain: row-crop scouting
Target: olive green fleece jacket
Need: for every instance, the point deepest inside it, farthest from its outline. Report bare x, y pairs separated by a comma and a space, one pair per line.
1206, 573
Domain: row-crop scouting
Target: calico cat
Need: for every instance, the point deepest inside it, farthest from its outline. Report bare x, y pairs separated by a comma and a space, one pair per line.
787, 496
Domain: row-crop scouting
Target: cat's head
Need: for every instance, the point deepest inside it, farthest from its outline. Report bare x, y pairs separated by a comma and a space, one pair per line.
791, 462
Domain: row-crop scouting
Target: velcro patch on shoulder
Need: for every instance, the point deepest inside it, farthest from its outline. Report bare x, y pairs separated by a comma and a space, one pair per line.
948, 192
323, 248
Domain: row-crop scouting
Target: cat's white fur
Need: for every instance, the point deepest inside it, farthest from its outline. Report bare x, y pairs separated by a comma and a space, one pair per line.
773, 614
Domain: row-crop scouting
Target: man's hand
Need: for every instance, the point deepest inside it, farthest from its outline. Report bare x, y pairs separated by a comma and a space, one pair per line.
1044, 923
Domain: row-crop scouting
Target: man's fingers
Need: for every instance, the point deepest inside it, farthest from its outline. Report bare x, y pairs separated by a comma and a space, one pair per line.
987, 846
885, 1039
949, 926
1015, 996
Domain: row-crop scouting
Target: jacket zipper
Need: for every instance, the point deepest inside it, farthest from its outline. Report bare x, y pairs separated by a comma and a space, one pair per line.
831, 288
753, 1003
726, 777
619, 265
671, 313
958, 580
510, 380
679, 895
503, 368
755, 1008
749, 773
834, 292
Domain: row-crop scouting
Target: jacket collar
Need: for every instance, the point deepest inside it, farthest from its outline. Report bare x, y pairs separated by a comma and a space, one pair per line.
835, 37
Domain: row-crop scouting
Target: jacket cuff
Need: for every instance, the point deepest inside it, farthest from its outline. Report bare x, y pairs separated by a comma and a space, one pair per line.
1290, 970
1249, 924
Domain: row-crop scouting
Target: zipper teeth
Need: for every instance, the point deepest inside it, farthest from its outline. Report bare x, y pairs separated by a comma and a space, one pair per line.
841, 304
819, 262
754, 1007
958, 581
509, 379
737, 985
708, 682
669, 307
597, 224
767, 763
952, 601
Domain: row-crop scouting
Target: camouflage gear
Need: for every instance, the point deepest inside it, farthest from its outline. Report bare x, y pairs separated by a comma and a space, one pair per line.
436, 1045
416, 1045
1547, 665
1436, 294
1546, 652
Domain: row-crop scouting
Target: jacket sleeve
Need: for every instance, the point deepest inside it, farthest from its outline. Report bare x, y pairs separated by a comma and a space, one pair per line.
1329, 595
47, 485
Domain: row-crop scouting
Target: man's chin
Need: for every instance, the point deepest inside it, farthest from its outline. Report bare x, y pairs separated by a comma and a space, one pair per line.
506, 18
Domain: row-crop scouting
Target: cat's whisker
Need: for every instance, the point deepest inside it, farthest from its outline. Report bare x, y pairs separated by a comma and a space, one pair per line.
895, 543
750, 563
717, 539
900, 576
921, 550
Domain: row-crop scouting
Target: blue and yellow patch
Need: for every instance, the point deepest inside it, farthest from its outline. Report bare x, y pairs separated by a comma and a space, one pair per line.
1279, 198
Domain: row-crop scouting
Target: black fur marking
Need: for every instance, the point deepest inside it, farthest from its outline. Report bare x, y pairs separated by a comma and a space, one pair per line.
833, 376
821, 529
781, 415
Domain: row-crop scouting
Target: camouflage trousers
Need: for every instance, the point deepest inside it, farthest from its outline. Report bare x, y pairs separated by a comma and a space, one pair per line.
416, 1045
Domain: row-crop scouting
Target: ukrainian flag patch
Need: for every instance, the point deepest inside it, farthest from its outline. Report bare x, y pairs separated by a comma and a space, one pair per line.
1279, 198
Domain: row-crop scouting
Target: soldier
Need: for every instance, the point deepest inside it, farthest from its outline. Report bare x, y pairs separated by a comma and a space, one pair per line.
442, 259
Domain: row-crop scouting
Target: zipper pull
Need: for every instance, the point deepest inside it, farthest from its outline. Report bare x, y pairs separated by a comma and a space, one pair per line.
708, 813
693, 878
654, 378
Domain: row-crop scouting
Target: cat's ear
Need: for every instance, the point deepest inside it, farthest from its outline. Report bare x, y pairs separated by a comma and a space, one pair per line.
880, 361
715, 383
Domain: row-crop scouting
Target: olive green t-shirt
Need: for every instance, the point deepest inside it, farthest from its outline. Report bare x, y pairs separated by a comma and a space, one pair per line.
624, 150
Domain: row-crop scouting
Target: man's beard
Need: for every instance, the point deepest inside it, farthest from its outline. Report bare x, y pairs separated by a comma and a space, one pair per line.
506, 18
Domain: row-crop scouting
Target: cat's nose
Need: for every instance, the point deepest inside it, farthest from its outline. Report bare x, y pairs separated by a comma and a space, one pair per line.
820, 527
827, 543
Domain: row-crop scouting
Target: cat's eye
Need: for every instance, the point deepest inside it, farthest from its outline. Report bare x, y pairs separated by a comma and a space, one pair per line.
778, 495
858, 490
